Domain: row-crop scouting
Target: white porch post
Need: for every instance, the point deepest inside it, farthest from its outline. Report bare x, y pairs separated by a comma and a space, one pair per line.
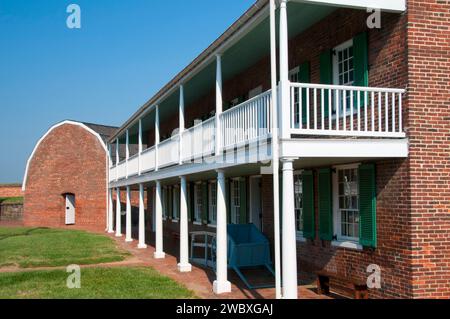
118, 213
184, 265
157, 138
289, 241
275, 151
181, 124
219, 104
141, 244
111, 212
221, 285
159, 253
140, 147
284, 72
128, 238
117, 158
127, 150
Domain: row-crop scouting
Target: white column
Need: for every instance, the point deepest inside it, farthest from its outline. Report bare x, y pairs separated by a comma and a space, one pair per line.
111, 212
127, 150
275, 152
181, 124
128, 238
140, 147
141, 244
284, 72
159, 253
118, 214
184, 265
289, 241
221, 285
157, 138
219, 104
117, 158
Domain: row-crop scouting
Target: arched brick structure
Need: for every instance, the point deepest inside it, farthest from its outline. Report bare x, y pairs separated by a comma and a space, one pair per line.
70, 158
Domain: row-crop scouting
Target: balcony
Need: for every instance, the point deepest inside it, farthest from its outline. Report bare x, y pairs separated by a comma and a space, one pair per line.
335, 117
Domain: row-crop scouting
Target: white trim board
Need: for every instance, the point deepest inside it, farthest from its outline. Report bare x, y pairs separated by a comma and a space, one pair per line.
385, 5
82, 125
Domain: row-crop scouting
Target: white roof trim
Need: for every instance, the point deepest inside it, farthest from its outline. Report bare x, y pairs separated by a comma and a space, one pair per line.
48, 132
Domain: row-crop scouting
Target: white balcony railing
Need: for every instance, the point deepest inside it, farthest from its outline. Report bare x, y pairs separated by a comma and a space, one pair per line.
148, 160
199, 141
168, 152
112, 173
133, 165
346, 111
122, 170
247, 122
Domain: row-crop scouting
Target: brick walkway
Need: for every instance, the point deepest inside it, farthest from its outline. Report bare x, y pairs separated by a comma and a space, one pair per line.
200, 279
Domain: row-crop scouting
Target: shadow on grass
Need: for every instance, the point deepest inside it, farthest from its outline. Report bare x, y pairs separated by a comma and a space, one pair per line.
26, 233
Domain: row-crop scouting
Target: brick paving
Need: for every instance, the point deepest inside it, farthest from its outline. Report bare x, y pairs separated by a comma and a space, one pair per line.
200, 279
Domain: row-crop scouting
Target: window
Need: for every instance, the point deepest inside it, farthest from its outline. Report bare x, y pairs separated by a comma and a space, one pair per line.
176, 203
294, 77
343, 72
198, 200
346, 203
213, 203
298, 204
164, 202
235, 201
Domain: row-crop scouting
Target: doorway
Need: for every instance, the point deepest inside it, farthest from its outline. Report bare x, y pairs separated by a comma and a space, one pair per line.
256, 202
70, 209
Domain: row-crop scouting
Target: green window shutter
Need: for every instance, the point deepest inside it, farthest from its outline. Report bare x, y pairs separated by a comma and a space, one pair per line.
205, 203
361, 64
325, 205
326, 74
367, 206
308, 205
361, 59
304, 77
243, 203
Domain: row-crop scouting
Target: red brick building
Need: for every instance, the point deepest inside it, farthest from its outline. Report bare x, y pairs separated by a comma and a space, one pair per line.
10, 190
66, 177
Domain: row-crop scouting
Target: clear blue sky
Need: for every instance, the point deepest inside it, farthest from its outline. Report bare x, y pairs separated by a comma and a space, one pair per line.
101, 73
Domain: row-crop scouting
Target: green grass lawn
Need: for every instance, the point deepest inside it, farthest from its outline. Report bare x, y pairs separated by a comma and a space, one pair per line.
41, 247
96, 283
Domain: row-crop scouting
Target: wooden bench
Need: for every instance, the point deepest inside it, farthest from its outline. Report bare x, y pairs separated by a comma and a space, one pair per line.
358, 287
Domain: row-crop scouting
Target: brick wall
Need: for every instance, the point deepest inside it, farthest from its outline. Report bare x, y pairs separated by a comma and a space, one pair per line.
69, 160
429, 132
11, 191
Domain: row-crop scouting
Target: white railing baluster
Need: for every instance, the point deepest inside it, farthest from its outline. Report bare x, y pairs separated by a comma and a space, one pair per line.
315, 109
330, 110
322, 108
358, 106
344, 109
300, 107
400, 113
337, 110
365, 112
386, 114
373, 111
380, 127
352, 110
308, 110
393, 112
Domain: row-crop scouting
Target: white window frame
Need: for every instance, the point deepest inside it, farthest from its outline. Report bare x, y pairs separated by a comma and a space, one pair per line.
198, 208
342, 241
299, 233
255, 92
235, 210
335, 68
175, 203
212, 185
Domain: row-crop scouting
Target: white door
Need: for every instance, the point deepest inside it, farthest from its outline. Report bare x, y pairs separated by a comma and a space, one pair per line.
70, 209
255, 202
